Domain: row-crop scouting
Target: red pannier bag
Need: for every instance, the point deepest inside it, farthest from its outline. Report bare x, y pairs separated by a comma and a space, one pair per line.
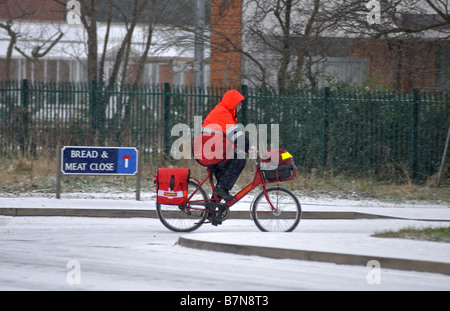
211, 148
278, 165
172, 185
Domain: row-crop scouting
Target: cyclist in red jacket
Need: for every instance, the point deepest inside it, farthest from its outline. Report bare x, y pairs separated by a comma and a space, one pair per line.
222, 119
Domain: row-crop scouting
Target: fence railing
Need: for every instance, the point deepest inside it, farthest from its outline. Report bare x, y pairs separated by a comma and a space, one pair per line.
351, 130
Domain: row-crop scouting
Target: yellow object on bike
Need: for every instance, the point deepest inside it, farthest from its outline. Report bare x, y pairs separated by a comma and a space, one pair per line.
286, 155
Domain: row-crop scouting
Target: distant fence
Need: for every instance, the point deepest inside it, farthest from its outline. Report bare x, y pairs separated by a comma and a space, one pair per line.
347, 130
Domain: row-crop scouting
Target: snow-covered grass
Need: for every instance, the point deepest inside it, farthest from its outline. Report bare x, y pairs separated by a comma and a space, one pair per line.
23, 176
439, 234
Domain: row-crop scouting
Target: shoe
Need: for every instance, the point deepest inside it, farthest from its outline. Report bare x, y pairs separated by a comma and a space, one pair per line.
224, 194
213, 220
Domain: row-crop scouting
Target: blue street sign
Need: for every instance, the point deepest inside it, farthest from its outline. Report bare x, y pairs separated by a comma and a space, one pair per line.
99, 160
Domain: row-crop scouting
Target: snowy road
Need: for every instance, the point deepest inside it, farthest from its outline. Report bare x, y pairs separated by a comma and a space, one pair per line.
80, 253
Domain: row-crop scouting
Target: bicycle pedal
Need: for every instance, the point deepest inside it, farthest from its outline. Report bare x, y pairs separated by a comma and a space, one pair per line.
213, 220
216, 223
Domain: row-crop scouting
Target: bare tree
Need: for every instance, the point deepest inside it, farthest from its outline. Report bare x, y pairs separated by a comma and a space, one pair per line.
131, 17
288, 37
105, 45
414, 31
39, 51
398, 18
124, 50
289, 31
93, 13
13, 34
153, 20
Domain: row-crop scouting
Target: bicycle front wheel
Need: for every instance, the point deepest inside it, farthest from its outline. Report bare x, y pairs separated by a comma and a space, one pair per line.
279, 211
184, 218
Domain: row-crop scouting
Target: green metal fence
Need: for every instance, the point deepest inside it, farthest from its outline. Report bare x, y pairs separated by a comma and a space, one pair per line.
347, 130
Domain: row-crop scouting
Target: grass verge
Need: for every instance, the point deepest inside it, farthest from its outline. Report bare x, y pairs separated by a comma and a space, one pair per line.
436, 234
21, 175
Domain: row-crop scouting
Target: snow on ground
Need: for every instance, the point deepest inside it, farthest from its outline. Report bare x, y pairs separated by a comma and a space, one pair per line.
38, 253
345, 237
122, 200
140, 254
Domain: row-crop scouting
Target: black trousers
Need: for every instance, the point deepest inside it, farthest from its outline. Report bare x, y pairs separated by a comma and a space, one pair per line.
228, 173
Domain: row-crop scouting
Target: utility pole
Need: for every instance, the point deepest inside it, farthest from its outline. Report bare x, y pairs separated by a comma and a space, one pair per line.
199, 42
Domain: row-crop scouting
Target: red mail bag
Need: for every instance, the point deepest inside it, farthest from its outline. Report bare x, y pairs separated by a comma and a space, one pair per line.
278, 165
172, 185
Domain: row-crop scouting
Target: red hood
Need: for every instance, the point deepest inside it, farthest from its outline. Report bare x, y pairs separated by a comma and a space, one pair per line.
224, 114
231, 99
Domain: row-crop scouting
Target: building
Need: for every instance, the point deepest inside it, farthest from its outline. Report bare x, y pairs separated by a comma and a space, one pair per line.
229, 58
338, 57
34, 26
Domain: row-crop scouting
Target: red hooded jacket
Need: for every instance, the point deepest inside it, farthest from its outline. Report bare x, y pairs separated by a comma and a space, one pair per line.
223, 116
217, 122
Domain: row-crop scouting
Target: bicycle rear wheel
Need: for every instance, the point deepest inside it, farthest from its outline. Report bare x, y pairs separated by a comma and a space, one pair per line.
286, 213
183, 218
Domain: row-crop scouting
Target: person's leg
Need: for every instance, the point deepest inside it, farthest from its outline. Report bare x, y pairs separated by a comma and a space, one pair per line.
227, 175
231, 173
219, 170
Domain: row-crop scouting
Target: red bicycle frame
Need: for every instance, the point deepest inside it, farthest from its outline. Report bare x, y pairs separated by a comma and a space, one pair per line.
258, 179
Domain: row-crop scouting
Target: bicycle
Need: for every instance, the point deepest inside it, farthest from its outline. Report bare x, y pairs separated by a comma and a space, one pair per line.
273, 209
